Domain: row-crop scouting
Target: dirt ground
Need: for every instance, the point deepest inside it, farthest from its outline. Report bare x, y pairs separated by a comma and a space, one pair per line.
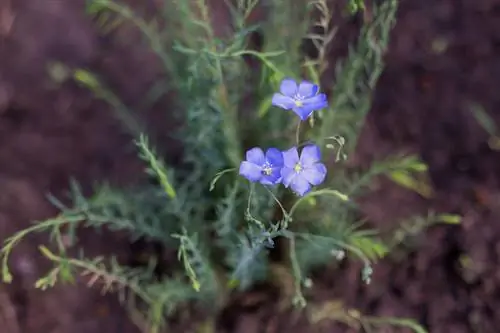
442, 57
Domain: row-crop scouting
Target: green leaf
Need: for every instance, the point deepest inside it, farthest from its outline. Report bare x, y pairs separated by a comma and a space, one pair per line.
86, 78
449, 218
355, 6
401, 322
417, 165
313, 73
233, 283
66, 273
264, 107
156, 166
371, 247
276, 78
94, 7
404, 178
6, 276
484, 119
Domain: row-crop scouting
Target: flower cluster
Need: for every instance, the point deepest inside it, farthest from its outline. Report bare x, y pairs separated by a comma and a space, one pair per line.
298, 171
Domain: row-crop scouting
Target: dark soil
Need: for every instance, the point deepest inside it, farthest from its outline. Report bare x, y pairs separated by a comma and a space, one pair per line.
442, 57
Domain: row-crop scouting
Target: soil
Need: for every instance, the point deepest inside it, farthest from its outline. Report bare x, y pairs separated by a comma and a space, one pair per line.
441, 58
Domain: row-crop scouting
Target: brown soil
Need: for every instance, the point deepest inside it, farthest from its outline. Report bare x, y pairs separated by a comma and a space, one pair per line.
441, 58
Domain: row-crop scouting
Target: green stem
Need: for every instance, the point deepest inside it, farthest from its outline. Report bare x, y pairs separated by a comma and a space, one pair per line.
230, 119
402, 322
12, 241
297, 133
262, 57
97, 271
340, 244
248, 214
329, 192
285, 213
299, 297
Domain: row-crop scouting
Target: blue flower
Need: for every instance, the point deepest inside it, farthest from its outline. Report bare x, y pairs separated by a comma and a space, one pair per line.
299, 173
302, 99
265, 169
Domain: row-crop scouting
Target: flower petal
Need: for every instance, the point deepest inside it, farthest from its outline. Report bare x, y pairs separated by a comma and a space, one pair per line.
287, 176
291, 157
250, 171
288, 87
315, 103
256, 156
307, 89
283, 101
315, 174
275, 157
272, 179
300, 185
310, 154
302, 112
310, 105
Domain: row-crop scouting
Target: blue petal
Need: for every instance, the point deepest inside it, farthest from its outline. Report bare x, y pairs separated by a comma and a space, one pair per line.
256, 156
300, 185
291, 157
307, 89
310, 154
288, 87
275, 157
302, 112
282, 101
310, 105
250, 171
315, 174
315, 103
287, 176
273, 179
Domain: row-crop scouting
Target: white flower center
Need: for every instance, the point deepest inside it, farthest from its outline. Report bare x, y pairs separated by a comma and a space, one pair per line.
298, 100
298, 168
267, 169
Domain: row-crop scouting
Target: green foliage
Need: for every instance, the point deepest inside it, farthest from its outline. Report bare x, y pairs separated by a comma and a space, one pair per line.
157, 168
408, 176
222, 228
336, 311
121, 111
355, 6
488, 124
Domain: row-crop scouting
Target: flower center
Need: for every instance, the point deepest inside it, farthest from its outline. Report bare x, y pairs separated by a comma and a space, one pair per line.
297, 168
298, 100
267, 169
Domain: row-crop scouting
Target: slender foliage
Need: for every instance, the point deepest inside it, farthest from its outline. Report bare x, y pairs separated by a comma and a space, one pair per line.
222, 226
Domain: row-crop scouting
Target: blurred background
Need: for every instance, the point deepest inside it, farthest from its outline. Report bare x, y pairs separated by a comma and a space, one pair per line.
442, 62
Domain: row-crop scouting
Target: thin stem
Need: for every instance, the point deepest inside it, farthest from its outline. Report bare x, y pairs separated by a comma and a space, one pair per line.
340, 244
252, 187
297, 133
285, 213
262, 57
402, 322
334, 193
299, 297
248, 214
16, 238
231, 119
147, 30
218, 176
230, 116
59, 241
98, 272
